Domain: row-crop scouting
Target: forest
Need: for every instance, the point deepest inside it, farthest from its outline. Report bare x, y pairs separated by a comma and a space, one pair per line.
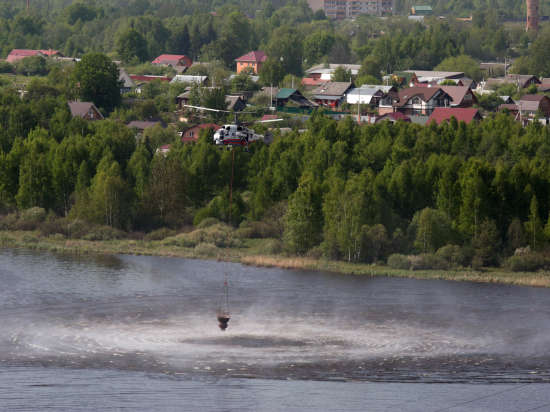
364, 193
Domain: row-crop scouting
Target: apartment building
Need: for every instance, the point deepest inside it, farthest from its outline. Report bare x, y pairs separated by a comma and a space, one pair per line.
347, 9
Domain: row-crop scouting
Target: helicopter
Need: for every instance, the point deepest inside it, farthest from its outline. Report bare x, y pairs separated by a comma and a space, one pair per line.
236, 134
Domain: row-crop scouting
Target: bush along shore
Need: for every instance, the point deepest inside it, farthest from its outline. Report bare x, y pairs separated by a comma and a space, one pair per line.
215, 240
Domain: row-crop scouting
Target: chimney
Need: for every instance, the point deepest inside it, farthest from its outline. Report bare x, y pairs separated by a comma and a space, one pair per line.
532, 16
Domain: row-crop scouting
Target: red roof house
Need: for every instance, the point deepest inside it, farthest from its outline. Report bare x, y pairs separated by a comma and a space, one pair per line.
466, 115
174, 60
253, 60
19, 54
192, 134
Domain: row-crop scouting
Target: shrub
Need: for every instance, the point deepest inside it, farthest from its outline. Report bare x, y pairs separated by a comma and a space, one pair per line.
206, 222
206, 249
8, 222
454, 255
398, 261
314, 253
428, 261
77, 228
527, 263
53, 225
219, 234
103, 233
30, 219
159, 234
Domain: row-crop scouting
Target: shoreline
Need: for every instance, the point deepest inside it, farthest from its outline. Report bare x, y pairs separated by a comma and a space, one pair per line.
247, 256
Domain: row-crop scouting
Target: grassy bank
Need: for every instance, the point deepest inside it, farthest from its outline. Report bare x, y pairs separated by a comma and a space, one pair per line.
252, 252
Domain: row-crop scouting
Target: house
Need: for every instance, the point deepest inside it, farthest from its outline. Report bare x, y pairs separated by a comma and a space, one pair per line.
293, 97
434, 76
176, 61
507, 100
85, 110
466, 81
235, 103
19, 54
331, 94
530, 107
252, 60
182, 78
520, 80
192, 133
466, 115
325, 71
369, 94
422, 10
416, 101
127, 84
461, 96
164, 149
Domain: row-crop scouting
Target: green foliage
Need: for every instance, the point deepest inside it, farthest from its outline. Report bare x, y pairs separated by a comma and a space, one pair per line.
461, 63
97, 76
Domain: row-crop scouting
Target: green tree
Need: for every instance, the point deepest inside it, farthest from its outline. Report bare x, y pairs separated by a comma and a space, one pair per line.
461, 63
433, 230
303, 219
131, 46
340, 74
98, 80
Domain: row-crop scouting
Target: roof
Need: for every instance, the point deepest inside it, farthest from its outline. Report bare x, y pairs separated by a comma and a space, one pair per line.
148, 78
81, 109
522, 79
125, 79
142, 124
18, 54
394, 117
308, 81
285, 93
269, 117
331, 90
365, 91
532, 97
440, 114
257, 56
457, 93
423, 7
184, 78
425, 93
232, 100
436, 74
172, 59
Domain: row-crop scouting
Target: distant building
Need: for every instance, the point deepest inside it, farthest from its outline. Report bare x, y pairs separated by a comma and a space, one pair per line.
176, 61
347, 9
467, 115
183, 78
85, 110
126, 82
422, 10
331, 94
192, 134
252, 60
520, 80
325, 71
19, 54
416, 101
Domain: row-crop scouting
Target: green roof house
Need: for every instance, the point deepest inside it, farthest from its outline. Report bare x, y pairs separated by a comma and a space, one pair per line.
421, 10
292, 96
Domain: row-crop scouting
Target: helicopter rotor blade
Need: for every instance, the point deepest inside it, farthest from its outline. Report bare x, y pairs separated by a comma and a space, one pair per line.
270, 121
206, 108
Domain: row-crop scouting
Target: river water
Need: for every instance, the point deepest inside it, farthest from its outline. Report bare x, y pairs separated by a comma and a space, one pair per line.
140, 333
